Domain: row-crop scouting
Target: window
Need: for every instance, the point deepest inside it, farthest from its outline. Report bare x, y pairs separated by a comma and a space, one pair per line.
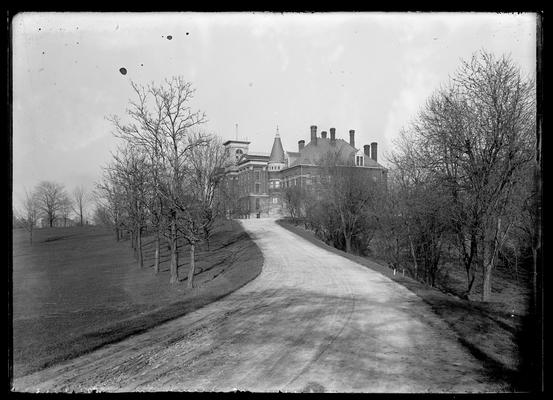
257, 204
257, 175
277, 184
359, 161
257, 188
238, 153
275, 200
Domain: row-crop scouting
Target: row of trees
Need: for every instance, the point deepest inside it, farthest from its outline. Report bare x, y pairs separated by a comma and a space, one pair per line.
462, 168
460, 184
51, 202
165, 177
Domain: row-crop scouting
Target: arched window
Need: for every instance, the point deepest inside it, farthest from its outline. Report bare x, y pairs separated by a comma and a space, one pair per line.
238, 153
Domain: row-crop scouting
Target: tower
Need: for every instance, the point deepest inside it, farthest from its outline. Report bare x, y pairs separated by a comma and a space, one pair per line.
277, 160
234, 149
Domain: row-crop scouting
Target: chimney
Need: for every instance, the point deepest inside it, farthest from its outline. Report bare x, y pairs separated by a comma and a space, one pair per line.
367, 150
314, 134
301, 144
332, 134
374, 151
352, 138
323, 134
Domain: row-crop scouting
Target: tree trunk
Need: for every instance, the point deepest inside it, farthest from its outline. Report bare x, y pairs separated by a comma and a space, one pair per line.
174, 254
414, 256
139, 247
487, 282
490, 253
348, 243
470, 282
156, 254
192, 267
486, 266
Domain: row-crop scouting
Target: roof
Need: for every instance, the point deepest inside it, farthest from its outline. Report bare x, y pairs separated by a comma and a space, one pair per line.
277, 152
292, 156
253, 157
236, 141
313, 154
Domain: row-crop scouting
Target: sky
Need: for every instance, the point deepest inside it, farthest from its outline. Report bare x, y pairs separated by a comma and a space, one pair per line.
370, 72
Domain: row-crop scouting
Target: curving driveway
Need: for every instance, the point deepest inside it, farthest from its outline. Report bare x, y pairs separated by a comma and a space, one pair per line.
311, 321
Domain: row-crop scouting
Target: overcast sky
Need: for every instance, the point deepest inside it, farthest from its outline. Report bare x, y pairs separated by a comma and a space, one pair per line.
365, 71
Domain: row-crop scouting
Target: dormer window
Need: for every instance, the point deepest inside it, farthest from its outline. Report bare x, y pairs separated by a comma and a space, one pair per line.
359, 160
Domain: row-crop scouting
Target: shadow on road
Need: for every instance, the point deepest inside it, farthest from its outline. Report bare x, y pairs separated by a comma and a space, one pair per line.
309, 329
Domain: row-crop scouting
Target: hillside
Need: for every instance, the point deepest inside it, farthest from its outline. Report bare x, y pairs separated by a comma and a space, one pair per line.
76, 289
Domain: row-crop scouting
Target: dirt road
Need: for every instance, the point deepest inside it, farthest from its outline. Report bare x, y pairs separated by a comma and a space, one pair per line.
312, 321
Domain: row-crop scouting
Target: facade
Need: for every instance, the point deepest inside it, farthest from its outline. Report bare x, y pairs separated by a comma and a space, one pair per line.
256, 182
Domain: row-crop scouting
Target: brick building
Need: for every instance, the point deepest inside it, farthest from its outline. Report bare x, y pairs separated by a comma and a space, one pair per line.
256, 181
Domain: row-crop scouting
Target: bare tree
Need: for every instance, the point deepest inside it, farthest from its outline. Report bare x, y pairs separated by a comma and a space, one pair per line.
80, 199
51, 199
293, 197
161, 121
30, 212
341, 209
475, 137
206, 161
129, 173
109, 203
350, 195
206, 164
66, 208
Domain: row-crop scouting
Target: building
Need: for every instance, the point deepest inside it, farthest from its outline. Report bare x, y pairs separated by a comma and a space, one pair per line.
256, 181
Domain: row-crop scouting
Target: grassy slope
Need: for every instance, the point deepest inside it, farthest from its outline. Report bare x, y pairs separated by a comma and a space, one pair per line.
76, 289
490, 331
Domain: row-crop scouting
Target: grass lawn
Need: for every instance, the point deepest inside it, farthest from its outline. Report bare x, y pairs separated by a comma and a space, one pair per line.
76, 289
495, 332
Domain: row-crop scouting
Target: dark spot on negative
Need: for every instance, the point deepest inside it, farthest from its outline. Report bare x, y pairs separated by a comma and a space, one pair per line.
186, 33
169, 37
141, 65
123, 70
